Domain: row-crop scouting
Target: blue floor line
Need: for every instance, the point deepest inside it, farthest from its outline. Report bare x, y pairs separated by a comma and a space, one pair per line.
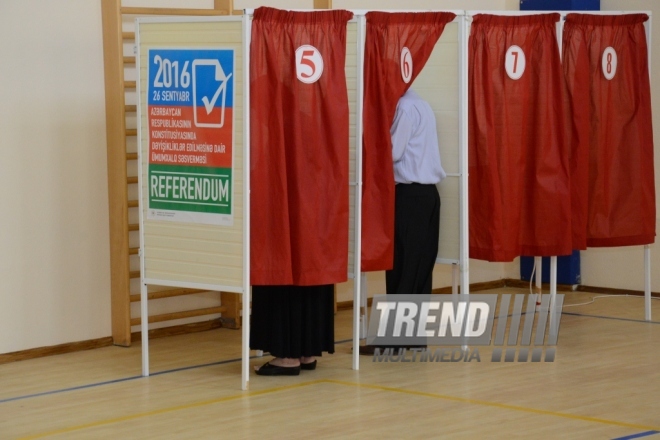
82, 387
126, 379
64, 390
639, 435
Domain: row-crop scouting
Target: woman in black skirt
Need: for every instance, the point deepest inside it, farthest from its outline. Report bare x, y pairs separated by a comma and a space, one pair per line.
295, 324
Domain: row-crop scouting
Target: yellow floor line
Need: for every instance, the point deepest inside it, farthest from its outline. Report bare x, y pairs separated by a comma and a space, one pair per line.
243, 395
498, 405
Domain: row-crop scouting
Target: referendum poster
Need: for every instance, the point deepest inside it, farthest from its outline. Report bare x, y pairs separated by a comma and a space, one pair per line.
190, 98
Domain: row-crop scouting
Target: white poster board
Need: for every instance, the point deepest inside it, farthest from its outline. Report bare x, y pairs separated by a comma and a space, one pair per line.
194, 187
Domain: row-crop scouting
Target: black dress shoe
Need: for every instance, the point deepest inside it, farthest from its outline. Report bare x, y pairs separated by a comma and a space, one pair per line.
367, 350
269, 369
308, 365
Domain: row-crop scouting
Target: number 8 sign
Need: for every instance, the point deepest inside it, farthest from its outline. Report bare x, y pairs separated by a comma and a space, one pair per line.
309, 64
609, 63
514, 62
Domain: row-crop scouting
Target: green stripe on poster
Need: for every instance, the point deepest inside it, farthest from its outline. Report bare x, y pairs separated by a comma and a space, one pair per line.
192, 189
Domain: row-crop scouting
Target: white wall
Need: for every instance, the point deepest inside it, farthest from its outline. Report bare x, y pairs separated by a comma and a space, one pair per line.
419, 4
54, 274
54, 253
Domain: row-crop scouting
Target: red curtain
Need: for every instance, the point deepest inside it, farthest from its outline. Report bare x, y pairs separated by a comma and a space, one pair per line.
299, 147
386, 64
518, 157
613, 186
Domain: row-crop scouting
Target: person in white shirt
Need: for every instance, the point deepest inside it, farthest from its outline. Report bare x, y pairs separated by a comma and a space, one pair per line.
417, 170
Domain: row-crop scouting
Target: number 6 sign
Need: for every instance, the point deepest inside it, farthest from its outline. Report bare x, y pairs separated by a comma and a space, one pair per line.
309, 64
514, 62
406, 65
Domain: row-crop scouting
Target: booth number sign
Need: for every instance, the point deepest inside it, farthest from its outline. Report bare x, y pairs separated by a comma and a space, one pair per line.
515, 62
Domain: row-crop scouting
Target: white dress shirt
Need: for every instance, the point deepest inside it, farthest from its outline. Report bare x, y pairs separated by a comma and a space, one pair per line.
415, 149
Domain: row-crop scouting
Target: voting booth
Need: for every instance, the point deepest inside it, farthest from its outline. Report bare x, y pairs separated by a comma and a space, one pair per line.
228, 116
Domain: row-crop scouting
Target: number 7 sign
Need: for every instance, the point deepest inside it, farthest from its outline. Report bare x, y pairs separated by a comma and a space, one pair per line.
515, 62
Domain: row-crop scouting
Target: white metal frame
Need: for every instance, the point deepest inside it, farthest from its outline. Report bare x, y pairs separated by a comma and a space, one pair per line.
360, 294
460, 268
359, 282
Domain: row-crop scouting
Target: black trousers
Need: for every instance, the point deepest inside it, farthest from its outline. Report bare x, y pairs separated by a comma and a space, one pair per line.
416, 232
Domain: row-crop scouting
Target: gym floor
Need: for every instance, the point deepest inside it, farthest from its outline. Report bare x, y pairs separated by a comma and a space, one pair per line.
604, 383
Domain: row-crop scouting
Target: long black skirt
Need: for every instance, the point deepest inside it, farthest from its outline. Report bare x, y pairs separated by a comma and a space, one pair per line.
293, 321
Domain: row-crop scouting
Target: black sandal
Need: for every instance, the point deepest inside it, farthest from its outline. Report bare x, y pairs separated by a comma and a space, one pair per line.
308, 365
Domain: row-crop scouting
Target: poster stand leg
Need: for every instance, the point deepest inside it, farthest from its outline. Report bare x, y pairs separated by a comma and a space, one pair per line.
245, 343
144, 328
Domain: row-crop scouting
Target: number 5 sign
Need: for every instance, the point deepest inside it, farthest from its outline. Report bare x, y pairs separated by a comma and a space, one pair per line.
309, 64
514, 62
